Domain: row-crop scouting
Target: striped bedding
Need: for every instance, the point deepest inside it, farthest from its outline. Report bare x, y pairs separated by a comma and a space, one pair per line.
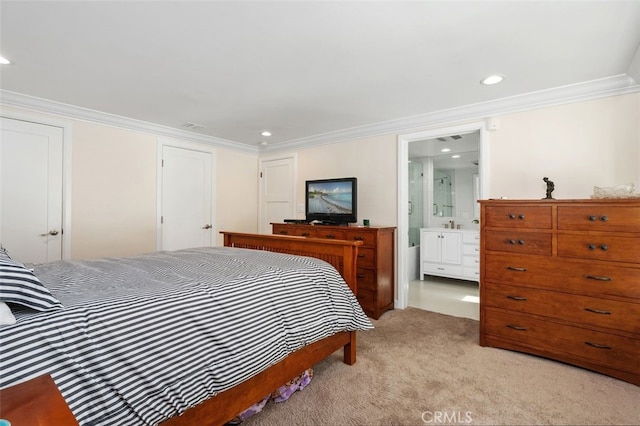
144, 338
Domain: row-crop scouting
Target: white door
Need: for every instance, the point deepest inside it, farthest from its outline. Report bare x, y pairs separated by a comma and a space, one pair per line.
31, 190
186, 198
277, 192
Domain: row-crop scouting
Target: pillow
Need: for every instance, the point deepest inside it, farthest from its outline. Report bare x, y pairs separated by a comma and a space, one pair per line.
6, 316
3, 253
19, 285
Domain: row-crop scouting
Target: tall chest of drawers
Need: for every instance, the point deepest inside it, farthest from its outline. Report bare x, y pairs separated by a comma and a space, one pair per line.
561, 279
375, 265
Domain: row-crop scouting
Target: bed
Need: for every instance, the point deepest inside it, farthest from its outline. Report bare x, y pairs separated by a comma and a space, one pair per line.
185, 346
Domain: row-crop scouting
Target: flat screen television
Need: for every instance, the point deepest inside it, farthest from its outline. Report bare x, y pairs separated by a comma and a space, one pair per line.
332, 201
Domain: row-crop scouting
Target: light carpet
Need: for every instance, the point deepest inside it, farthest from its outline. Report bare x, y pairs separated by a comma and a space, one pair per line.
423, 368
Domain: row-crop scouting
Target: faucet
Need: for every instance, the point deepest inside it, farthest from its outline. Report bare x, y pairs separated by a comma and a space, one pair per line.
451, 224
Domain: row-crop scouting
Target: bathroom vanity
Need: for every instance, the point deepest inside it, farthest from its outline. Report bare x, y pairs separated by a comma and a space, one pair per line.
452, 253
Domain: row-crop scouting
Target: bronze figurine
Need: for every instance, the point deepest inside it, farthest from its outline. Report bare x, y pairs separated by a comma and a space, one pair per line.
550, 188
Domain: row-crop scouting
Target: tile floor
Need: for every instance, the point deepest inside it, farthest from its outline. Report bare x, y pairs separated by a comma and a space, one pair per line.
447, 296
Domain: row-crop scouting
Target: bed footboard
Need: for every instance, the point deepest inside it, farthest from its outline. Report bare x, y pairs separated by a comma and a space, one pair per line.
341, 254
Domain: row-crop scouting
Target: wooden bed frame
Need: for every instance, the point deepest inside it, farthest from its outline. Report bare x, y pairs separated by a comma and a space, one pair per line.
226, 405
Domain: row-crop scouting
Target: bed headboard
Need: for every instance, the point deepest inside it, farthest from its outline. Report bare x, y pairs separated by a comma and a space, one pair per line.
341, 254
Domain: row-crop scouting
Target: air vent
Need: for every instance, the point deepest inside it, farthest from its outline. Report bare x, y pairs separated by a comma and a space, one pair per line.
442, 139
193, 126
456, 137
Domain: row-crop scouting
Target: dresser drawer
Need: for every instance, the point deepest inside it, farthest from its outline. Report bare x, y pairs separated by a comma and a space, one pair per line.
599, 246
366, 257
581, 277
366, 279
592, 346
599, 218
584, 310
367, 238
329, 233
519, 242
366, 299
518, 217
294, 231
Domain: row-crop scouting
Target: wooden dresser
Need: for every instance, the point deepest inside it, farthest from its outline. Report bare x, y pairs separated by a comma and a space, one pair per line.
561, 279
375, 269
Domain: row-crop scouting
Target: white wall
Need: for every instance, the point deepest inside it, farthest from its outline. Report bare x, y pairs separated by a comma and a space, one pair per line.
370, 160
113, 189
578, 146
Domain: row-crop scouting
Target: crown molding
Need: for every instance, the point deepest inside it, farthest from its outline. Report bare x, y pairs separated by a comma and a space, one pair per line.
610, 86
84, 114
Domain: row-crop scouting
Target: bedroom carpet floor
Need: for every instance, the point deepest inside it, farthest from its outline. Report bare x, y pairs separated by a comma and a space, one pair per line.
424, 368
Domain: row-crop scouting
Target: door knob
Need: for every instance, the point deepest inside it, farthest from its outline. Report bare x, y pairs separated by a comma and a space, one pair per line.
52, 232
207, 226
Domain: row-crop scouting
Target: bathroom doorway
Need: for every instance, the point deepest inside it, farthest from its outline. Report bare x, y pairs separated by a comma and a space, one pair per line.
414, 192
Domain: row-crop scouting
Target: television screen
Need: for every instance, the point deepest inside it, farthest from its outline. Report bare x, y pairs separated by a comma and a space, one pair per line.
332, 200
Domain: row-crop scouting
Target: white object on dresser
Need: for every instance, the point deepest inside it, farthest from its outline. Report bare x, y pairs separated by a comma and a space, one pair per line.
450, 253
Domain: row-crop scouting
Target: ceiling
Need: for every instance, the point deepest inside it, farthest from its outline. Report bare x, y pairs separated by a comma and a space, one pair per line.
449, 152
300, 68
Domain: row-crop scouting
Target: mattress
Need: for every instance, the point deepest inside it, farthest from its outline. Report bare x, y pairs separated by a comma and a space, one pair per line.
144, 338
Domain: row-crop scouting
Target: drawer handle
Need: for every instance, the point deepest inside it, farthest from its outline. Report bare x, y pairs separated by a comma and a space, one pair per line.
597, 311
593, 218
512, 242
521, 242
595, 277
517, 298
592, 246
305, 234
597, 345
283, 232
603, 247
516, 327
359, 276
514, 268
330, 236
512, 216
360, 255
521, 216
358, 238
604, 218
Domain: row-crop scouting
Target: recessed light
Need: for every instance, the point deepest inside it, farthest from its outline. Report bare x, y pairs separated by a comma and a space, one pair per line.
445, 150
455, 156
492, 79
4, 61
264, 143
266, 133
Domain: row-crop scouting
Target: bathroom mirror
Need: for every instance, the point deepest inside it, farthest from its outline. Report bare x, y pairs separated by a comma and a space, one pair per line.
444, 180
